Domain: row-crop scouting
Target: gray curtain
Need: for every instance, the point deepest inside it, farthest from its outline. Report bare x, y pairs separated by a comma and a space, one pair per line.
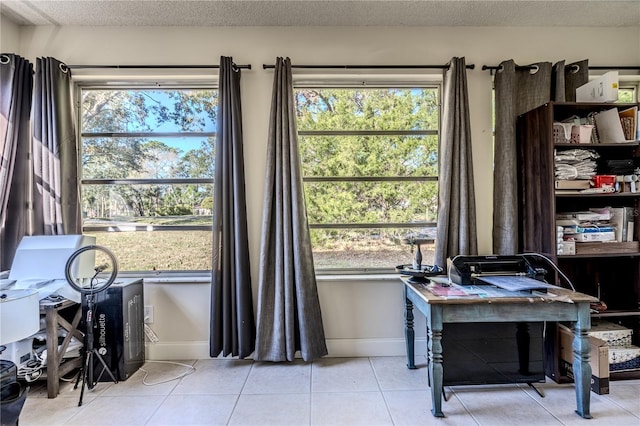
518, 90
456, 233
567, 78
232, 330
289, 317
55, 154
16, 87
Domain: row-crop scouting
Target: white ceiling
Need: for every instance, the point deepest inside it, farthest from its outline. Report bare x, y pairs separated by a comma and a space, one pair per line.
597, 13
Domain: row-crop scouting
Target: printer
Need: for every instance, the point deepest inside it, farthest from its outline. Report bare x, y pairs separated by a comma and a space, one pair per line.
526, 271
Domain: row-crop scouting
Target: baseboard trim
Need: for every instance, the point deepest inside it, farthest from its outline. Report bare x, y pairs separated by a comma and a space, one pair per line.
337, 348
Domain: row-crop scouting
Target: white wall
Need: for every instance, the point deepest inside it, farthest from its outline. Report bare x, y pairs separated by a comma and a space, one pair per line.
9, 36
360, 317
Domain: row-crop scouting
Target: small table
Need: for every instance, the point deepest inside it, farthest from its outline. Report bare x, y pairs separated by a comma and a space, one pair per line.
53, 320
565, 305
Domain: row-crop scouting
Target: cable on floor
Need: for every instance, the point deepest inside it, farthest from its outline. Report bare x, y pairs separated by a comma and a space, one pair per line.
190, 370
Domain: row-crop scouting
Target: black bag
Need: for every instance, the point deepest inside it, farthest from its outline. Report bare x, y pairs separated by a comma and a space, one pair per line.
12, 398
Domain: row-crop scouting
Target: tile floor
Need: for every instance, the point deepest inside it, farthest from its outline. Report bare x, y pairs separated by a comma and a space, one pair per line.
331, 391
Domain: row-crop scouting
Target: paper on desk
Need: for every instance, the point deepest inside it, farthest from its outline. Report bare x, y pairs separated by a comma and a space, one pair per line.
445, 291
516, 283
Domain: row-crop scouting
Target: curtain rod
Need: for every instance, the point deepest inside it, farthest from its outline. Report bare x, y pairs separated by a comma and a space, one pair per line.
529, 67
373, 67
248, 67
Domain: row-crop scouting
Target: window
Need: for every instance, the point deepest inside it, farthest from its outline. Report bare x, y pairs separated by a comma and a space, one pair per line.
147, 161
627, 92
370, 171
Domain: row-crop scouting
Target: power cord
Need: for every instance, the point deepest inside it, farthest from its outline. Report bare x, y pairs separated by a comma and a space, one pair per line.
30, 371
554, 266
190, 369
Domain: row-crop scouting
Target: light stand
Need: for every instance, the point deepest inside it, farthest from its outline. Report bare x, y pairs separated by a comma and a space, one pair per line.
88, 288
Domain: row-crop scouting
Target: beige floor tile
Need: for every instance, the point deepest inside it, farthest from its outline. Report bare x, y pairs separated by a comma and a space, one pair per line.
349, 408
331, 391
392, 373
413, 408
265, 378
272, 410
135, 386
492, 405
215, 377
117, 411
560, 400
49, 412
626, 394
343, 375
194, 410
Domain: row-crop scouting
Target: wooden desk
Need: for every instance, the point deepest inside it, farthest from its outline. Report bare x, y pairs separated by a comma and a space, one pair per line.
55, 368
441, 310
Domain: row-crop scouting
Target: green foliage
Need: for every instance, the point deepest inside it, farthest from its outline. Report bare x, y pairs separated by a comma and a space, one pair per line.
393, 154
120, 155
175, 211
625, 95
387, 175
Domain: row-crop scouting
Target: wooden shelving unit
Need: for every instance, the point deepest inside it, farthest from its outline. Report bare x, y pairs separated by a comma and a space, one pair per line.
610, 271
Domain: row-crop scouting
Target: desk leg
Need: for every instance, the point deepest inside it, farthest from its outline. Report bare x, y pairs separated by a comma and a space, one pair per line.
53, 357
581, 365
436, 372
409, 333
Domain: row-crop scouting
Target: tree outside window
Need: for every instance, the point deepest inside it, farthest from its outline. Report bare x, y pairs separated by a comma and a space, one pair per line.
370, 170
147, 171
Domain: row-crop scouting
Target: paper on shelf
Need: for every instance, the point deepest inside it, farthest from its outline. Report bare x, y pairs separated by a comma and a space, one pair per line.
609, 127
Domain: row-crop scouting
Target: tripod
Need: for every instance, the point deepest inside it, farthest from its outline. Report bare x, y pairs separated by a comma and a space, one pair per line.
86, 372
88, 292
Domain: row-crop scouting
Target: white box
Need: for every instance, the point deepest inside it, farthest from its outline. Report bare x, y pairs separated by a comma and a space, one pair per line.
623, 358
613, 334
582, 237
568, 247
601, 89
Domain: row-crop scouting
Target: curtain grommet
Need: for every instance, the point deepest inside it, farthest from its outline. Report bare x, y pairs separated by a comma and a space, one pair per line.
5, 59
534, 69
63, 67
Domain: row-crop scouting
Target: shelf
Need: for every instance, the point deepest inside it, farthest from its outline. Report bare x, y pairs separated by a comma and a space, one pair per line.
624, 375
596, 195
609, 314
609, 269
595, 255
604, 249
627, 144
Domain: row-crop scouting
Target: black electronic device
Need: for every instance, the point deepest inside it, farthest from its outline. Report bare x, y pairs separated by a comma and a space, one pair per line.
493, 353
465, 270
119, 316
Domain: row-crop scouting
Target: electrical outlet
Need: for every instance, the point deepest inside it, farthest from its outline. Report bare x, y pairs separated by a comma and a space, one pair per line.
148, 314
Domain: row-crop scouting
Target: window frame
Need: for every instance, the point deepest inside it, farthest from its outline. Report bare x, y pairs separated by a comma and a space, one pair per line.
430, 82
142, 83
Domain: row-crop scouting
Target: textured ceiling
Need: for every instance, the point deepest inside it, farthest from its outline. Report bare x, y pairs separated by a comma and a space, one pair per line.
605, 13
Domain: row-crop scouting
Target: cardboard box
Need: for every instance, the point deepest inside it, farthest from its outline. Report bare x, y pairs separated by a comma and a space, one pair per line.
613, 334
624, 358
598, 360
